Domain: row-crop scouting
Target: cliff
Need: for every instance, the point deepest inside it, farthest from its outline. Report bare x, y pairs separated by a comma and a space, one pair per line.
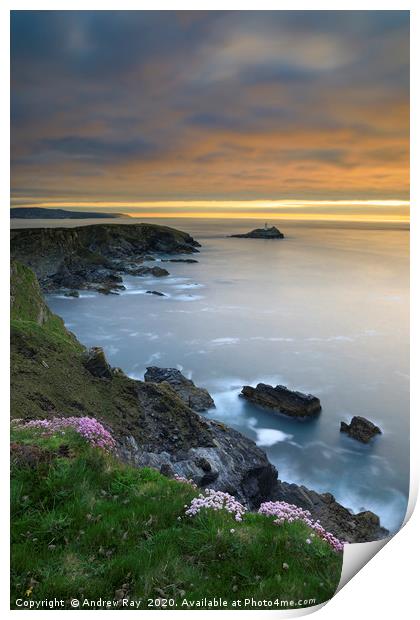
81, 256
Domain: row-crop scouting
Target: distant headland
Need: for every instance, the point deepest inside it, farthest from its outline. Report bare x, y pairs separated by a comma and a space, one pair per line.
34, 213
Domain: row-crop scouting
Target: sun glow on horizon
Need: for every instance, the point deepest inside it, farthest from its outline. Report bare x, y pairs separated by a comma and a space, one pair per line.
371, 210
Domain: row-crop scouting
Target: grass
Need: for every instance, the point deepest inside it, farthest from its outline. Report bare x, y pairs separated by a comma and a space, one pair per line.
86, 526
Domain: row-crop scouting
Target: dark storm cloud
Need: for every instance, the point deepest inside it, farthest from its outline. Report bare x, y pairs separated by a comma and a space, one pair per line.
165, 92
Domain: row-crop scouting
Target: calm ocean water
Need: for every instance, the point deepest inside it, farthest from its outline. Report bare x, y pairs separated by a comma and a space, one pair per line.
323, 311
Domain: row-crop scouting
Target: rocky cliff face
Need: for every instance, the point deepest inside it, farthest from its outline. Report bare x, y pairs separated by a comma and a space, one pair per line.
361, 527
81, 256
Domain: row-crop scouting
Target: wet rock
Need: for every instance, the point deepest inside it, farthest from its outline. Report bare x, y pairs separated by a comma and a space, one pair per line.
261, 233
282, 400
156, 293
361, 527
178, 260
156, 272
72, 293
97, 364
159, 272
195, 397
361, 429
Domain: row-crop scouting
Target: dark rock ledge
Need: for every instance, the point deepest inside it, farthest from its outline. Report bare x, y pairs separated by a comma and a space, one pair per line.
282, 400
195, 397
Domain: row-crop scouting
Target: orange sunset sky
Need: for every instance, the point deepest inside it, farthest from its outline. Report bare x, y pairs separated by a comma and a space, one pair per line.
256, 114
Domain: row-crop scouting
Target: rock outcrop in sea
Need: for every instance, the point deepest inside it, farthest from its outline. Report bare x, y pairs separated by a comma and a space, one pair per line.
261, 233
361, 429
195, 397
282, 400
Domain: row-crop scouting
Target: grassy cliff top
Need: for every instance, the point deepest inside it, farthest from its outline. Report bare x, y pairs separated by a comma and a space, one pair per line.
87, 526
49, 378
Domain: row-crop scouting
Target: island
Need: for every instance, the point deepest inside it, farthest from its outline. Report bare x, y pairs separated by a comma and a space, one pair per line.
261, 233
41, 213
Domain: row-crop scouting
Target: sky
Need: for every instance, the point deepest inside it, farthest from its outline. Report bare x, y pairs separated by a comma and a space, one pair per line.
292, 115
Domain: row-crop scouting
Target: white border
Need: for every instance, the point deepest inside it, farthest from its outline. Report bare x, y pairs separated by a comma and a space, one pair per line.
388, 584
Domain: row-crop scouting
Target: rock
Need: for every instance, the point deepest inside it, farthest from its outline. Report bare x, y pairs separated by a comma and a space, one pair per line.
104, 290
166, 470
72, 293
361, 429
361, 527
97, 364
156, 293
159, 272
195, 397
178, 260
233, 463
261, 233
282, 400
118, 372
203, 464
74, 258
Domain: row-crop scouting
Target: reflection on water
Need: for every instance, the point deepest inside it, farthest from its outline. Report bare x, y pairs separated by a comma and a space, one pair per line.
323, 311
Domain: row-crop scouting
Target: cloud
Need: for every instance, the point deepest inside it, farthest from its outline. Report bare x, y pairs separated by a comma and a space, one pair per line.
255, 104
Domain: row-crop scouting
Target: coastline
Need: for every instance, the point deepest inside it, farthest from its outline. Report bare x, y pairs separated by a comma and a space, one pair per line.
322, 504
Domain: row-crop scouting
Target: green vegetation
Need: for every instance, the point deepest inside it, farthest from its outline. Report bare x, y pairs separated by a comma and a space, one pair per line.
86, 526
47, 372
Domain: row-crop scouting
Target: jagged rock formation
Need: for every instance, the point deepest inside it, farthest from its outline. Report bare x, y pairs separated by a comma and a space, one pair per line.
232, 463
361, 527
95, 256
361, 429
261, 233
195, 397
282, 400
97, 364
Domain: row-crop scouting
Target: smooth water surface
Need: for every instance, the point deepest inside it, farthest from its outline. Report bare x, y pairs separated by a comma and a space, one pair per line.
323, 311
